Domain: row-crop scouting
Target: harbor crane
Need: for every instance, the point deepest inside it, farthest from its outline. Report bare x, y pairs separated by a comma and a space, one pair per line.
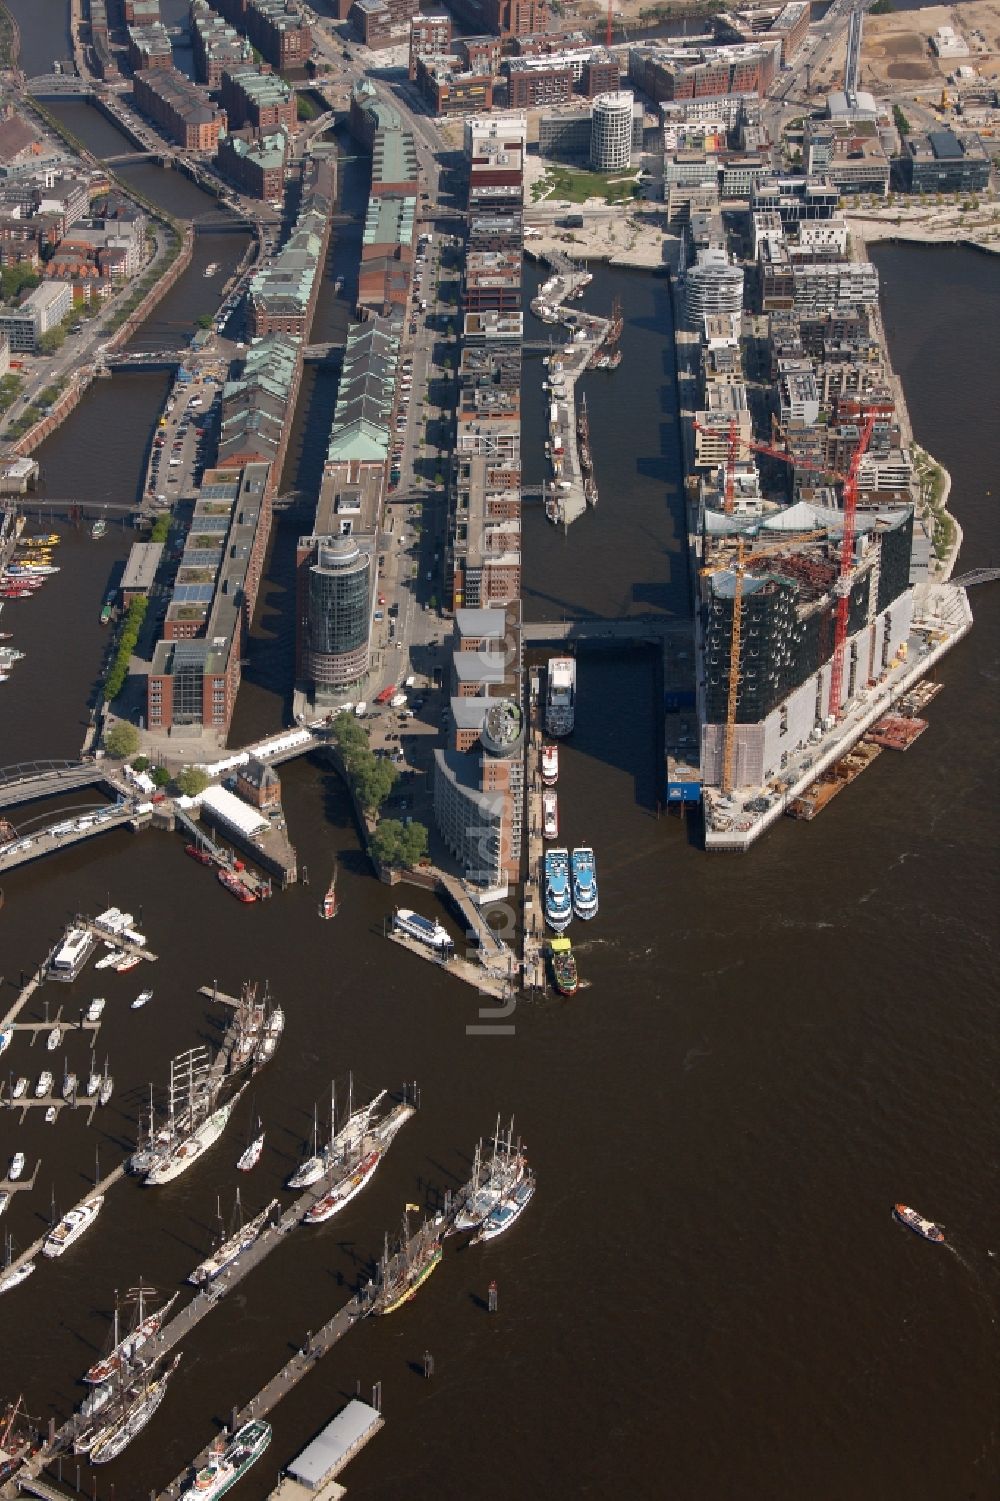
845, 571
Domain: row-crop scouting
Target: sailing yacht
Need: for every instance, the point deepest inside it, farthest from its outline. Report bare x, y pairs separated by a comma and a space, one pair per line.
312, 1168
251, 1156
93, 1079
107, 1086
509, 1210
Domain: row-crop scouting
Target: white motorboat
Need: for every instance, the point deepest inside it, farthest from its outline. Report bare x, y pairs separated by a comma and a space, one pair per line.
16, 1167
141, 999
20, 1088
72, 1226
44, 1084
96, 1007
54, 1038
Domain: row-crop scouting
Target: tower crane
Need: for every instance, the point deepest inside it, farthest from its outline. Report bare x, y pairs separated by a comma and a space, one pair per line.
845, 571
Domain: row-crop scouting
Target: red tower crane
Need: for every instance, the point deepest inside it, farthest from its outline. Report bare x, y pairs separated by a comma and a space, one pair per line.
842, 588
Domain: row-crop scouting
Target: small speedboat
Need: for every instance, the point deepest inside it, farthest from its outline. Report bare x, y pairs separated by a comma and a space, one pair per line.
20, 1088
6, 1038
141, 999
44, 1084
50, 1116
16, 1167
96, 1007
127, 962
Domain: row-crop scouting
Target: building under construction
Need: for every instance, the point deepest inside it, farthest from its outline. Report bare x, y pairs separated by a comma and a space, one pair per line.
785, 568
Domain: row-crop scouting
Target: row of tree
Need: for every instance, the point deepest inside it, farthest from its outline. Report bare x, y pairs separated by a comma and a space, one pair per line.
114, 682
372, 777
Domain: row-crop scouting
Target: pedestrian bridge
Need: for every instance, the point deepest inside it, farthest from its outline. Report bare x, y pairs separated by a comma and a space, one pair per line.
28, 780
656, 628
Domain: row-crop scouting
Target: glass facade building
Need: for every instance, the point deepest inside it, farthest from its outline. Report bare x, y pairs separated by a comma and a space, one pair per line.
339, 613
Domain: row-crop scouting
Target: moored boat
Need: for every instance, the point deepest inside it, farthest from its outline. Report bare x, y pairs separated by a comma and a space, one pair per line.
72, 1226
98, 529
235, 885
200, 853
341, 1194
916, 1222
141, 999
424, 930
120, 1432
550, 815
14, 1279
187, 1152
560, 697
508, 1211
226, 1253
96, 1007
550, 765
124, 1350
402, 1275
225, 1468
44, 1084
16, 1167
584, 870
564, 971
558, 901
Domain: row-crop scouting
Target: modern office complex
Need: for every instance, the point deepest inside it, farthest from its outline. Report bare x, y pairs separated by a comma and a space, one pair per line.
338, 612
611, 132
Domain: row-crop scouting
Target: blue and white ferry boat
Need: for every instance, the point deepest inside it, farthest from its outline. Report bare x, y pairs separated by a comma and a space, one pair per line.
558, 901
584, 882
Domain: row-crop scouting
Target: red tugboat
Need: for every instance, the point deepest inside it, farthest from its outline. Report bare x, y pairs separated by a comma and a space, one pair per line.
233, 884
916, 1222
198, 852
329, 906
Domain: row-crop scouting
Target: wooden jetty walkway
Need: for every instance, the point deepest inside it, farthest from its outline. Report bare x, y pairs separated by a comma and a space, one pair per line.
487, 981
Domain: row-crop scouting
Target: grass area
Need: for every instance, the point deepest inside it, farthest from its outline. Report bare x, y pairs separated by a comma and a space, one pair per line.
932, 483
577, 186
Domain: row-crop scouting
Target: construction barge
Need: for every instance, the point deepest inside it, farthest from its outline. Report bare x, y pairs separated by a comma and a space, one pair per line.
833, 781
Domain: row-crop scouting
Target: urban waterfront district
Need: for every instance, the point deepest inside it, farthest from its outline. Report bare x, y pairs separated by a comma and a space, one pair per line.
707, 1295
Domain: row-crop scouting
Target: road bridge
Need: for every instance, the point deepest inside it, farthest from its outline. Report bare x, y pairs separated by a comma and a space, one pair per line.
977, 576
50, 85
321, 351
148, 359
132, 156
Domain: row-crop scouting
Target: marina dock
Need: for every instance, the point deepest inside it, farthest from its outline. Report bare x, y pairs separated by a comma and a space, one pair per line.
533, 918
207, 1298
573, 488
486, 980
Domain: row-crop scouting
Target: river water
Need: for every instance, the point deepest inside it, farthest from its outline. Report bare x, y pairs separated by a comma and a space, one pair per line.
707, 1298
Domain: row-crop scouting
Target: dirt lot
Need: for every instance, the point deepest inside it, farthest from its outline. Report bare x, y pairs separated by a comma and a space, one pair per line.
897, 47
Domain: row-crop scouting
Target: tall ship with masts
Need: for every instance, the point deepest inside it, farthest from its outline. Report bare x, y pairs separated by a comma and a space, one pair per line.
402, 1274
232, 1247
125, 1348
492, 1178
127, 1414
195, 1119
